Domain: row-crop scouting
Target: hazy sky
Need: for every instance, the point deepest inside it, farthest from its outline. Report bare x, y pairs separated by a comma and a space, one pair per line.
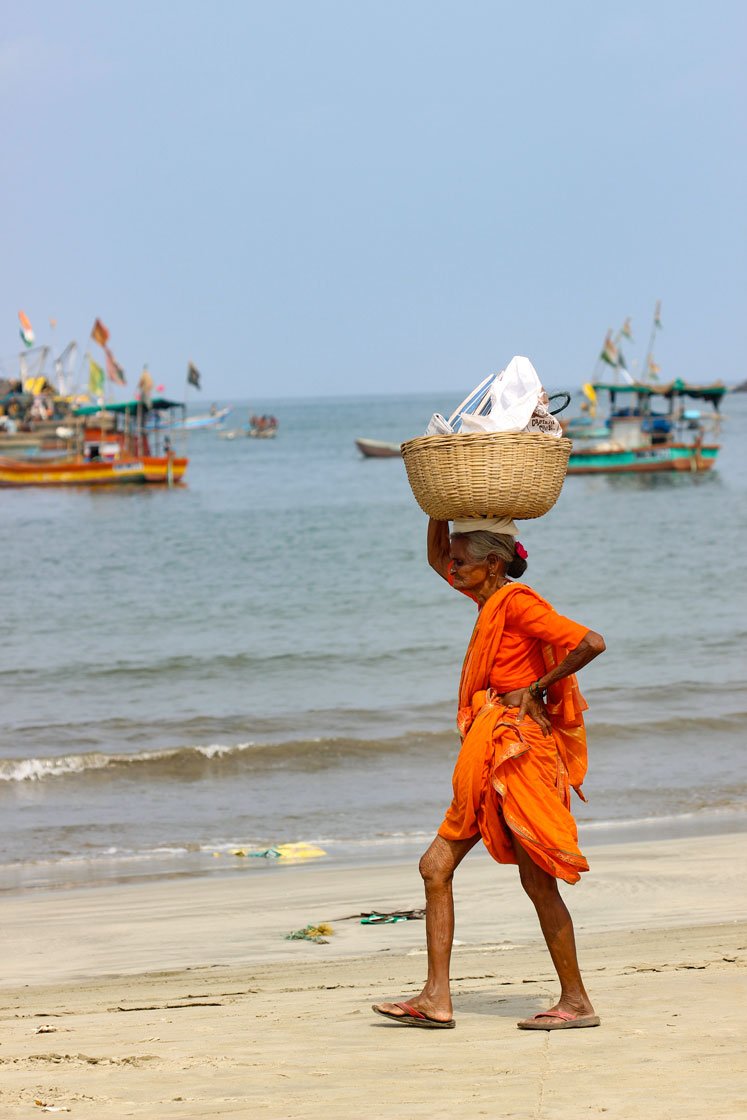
335, 196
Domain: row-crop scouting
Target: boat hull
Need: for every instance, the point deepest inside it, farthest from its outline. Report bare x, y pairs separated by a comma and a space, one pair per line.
68, 472
667, 457
378, 449
191, 423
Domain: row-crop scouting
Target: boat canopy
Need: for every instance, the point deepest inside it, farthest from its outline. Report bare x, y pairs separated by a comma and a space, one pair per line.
158, 404
677, 388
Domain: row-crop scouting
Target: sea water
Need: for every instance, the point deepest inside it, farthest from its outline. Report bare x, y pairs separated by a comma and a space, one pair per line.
263, 655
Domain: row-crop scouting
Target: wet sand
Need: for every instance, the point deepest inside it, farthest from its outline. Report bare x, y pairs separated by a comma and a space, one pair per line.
183, 998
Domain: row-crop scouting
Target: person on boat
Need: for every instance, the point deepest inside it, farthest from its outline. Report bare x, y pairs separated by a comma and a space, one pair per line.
145, 387
523, 748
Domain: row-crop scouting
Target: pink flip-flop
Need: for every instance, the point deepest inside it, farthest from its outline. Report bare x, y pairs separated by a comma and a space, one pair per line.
414, 1018
566, 1021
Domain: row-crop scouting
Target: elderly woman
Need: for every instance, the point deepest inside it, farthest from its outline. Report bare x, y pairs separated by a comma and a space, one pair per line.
523, 748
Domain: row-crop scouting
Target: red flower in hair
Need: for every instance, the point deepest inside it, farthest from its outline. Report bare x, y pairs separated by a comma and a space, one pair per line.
521, 551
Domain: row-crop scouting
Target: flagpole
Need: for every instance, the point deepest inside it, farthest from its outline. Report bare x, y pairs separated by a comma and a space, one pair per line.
651, 341
616, 343
598, 364
52, 325
185, 427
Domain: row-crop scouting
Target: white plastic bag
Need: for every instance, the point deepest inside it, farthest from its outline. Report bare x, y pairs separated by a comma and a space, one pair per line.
510, 401
514, 395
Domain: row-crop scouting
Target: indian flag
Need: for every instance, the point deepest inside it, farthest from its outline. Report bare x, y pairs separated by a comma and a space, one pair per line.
609, 351
27, 331
653, 369
626, 330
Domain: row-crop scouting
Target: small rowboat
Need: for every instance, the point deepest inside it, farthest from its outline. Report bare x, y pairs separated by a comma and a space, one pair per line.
378, 449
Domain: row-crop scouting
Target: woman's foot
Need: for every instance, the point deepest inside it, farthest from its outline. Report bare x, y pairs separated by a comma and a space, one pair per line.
561, 1017
417, 1011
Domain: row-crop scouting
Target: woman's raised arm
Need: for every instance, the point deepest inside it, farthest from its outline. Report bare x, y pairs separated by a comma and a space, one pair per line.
438, 546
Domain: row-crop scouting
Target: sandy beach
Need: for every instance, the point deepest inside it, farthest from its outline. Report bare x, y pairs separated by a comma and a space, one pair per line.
184, 999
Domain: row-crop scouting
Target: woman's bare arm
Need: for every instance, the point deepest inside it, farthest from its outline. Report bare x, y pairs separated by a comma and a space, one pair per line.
438, 546
590, 646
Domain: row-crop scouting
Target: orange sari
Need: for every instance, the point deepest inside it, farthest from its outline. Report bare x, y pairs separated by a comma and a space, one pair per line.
509, 779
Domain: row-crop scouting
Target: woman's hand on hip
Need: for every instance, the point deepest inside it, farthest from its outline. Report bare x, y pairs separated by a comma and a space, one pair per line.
528, 705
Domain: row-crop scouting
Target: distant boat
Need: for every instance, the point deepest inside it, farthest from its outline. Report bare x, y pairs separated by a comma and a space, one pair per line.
268, 432
648, 426
262, 427
212, 419
640, 438
378, 449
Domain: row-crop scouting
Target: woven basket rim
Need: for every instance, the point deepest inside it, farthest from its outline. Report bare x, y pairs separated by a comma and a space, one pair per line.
484, 437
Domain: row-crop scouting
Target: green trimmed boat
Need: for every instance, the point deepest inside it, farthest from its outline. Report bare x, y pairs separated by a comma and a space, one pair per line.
649, 428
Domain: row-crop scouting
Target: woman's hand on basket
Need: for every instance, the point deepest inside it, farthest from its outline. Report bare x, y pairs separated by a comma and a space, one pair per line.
528, 705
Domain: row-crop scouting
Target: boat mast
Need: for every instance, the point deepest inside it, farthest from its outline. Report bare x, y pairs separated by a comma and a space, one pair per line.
654, 327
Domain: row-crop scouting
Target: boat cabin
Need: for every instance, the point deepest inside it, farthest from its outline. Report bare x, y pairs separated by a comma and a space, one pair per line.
129, 428
643, 414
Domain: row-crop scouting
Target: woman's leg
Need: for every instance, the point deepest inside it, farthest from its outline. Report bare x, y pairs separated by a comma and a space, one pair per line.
437, 868
557, 929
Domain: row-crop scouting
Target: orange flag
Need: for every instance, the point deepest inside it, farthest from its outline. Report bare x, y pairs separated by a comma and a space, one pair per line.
99, 333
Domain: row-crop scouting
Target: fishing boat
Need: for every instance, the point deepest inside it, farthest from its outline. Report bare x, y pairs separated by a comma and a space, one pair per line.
111, 447
378, 449
650, 428
212, 419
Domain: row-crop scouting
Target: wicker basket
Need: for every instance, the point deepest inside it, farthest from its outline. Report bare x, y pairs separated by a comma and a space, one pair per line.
500, 474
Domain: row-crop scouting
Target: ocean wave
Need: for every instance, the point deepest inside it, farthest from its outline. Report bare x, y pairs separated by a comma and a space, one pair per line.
631, 728
218, 759
287, 725
306, 754
218, 664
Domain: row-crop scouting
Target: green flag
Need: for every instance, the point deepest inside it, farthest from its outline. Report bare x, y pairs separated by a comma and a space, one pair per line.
95, 378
